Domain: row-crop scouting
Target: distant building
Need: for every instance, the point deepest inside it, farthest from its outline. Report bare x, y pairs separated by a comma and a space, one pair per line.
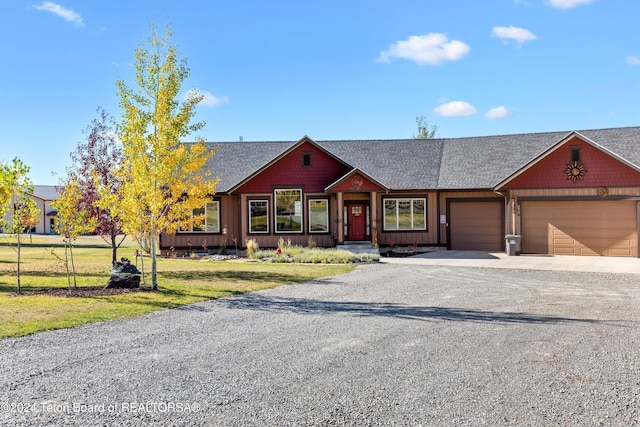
44, 195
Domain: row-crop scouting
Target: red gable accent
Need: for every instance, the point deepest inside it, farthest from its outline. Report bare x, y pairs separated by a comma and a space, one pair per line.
356, 182
289, 171
601, 170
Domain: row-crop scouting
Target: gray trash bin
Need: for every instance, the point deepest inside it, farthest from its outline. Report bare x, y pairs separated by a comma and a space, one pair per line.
512, 244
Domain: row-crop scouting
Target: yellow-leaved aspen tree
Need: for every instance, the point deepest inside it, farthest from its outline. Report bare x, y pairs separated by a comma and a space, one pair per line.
73, 219
21, 212
163, 179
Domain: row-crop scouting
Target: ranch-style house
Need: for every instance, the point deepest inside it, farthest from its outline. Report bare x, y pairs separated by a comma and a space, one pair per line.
564, 193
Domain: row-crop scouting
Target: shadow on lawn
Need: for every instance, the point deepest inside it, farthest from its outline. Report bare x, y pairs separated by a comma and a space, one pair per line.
408, 312
56, 245
234, 275
8, 283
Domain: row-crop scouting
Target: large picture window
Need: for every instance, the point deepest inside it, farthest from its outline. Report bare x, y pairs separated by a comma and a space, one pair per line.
211, 219
258, 216
405, 214
319, 216
288, 210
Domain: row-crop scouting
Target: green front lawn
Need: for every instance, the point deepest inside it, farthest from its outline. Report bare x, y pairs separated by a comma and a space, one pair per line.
181, 281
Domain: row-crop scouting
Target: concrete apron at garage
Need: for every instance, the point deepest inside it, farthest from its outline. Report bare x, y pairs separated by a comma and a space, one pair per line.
596, 264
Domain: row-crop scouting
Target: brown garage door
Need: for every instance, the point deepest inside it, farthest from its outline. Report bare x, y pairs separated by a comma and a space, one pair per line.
476, 226
607, 228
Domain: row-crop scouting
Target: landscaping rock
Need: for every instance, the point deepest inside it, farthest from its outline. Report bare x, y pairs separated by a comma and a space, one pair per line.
124, 266
123, 281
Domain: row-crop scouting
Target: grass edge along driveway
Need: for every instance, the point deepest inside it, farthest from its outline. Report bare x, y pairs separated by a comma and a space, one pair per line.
181, 282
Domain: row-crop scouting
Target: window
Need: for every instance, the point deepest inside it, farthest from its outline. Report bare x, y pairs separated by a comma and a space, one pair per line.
576, 154
405, 214
258, 216
210, 215
288, 210
306, 159
319, 216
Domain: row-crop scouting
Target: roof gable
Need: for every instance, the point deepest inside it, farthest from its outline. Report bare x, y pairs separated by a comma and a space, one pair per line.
600, 167
354, 181
289, 169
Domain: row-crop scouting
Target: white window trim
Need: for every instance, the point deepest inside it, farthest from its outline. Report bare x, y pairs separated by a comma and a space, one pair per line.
397, 227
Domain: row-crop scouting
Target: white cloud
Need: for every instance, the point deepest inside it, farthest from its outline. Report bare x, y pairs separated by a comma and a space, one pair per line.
66, 14
430, 49
455, 109
633, 60
209, 99
513, 33
567, 4
497, 113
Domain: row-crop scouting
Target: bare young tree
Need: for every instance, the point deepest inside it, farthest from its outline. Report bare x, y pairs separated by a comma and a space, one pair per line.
425, 131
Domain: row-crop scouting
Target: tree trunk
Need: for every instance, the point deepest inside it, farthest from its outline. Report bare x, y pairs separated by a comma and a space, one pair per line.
73, 266
154, 278
66, 264
19, 290
114, 249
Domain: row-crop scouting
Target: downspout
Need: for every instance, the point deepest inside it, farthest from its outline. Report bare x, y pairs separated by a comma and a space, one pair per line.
439, 226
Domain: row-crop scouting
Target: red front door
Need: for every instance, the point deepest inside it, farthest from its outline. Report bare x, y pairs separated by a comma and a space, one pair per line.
357, 222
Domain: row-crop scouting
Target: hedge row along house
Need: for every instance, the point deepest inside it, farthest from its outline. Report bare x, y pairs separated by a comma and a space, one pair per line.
573, 193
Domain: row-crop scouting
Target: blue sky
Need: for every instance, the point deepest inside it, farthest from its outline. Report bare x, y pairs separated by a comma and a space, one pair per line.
330, 69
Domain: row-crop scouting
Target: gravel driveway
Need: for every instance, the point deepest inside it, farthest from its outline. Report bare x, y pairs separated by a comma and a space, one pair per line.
388, 344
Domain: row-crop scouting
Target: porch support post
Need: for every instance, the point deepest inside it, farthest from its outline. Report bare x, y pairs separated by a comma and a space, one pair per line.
340, 216
244, 219
374, 213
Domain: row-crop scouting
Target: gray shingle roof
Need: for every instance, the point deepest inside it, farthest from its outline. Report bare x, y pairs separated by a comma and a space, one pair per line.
235, 161
408, 164
46, 192
398, 164
624, 142
481, 162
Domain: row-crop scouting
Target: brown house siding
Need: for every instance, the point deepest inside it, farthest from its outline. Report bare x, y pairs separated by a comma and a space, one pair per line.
228, 218
271, 239
428, 237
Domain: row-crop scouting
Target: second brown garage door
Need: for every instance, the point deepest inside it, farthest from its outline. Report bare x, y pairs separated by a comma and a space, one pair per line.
607, 228
476, 225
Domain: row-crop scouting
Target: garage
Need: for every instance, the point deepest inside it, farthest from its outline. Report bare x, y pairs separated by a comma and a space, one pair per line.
605, 228
476, 225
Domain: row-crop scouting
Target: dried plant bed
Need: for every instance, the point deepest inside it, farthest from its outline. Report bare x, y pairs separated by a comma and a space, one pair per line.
303, 255
83, 291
